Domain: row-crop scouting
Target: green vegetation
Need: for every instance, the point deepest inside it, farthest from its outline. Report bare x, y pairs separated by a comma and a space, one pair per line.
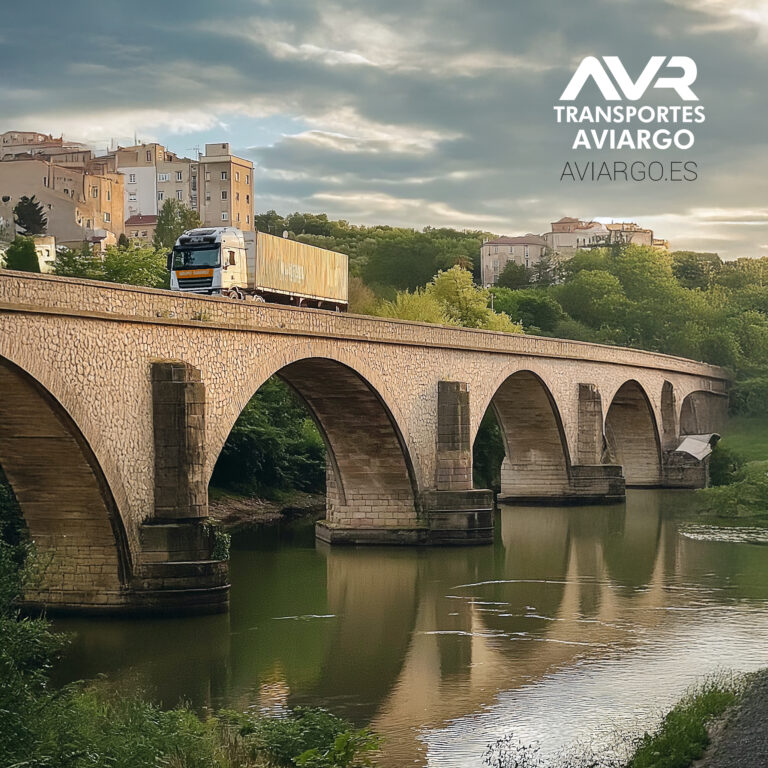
273, 448
173, 219
21, 255
747, 436
745, 497
682, 735
29, 217
84, 725
134, 264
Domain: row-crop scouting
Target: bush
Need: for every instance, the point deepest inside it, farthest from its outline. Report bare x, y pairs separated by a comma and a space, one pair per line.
682, 736
312, 738
725, 466
746, 497
21, 255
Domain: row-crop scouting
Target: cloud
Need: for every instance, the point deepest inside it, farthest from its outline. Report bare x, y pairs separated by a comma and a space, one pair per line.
432, 113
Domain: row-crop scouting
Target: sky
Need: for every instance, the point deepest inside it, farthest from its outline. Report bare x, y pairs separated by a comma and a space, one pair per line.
431, 113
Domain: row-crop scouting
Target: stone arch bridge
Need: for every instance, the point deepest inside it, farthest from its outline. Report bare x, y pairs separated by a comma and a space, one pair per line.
115, 402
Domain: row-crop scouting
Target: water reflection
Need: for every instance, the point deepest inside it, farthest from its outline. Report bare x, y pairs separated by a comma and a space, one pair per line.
442, 650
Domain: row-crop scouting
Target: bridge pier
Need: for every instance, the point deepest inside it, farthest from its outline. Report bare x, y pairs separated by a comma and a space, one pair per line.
451, 513
536, 469
177, 570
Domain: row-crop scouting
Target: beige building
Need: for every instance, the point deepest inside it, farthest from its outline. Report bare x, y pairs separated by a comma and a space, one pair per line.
526, 250
153, 174
224, 187
79, 204
567, 235
18, 142
141, 227
629, 233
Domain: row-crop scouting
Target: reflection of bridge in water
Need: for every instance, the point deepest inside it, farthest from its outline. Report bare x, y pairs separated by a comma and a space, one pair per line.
413, 639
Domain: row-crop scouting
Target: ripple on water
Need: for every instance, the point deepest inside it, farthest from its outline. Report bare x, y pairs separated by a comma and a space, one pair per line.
741, 534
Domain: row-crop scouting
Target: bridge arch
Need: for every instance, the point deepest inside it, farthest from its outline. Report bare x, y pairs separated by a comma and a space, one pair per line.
68, 505
702, 412
370, 477
537, 461
632, 435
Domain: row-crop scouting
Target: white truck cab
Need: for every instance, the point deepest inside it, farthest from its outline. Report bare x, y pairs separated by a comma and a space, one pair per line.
211, 261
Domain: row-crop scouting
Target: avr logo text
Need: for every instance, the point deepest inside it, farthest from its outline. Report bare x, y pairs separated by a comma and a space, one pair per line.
591, 67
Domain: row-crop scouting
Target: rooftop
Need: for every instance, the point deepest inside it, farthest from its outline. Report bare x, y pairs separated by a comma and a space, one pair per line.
527, 239
141, 219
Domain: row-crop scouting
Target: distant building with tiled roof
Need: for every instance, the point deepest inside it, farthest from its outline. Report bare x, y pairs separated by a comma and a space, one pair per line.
141, 227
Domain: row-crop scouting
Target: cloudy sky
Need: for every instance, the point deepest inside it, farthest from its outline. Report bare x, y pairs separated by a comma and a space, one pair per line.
437, 112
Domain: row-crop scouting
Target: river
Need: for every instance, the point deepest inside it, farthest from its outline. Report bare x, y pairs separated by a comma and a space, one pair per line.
576, 622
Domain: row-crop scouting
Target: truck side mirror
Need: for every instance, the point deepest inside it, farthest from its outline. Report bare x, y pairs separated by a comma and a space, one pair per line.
169, 260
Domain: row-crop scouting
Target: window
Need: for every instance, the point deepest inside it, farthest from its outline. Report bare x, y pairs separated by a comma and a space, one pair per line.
223, 194
247, 178
109, 193
94, 191
526, 255
224, 175
163, 176
207, 197
45, 181
231, 258
143, 233
132, 197
149, 156
179, 194
107, 216
247, 218
131, 178
238, 218
135, 232
247, 199
224, 216
207, 175
179, 176
237, 175
237, 196
161, 195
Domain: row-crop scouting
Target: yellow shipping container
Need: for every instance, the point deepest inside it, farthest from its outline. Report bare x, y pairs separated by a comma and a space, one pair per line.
296, 269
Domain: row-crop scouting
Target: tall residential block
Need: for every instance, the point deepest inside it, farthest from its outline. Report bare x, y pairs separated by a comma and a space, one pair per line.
224, 187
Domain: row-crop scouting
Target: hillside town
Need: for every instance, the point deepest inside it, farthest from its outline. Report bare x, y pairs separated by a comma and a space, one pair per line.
94, 198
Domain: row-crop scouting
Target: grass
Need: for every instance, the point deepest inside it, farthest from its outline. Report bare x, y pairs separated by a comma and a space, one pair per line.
748, 436
683, 734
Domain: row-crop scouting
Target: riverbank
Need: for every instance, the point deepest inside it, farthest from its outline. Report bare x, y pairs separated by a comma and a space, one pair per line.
741, 737
238, 514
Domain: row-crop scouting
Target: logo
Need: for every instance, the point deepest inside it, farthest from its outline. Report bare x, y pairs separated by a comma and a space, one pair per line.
633, 90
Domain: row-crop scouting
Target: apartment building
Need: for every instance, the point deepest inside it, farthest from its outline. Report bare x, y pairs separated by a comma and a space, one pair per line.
153, 174
19, 142
224, 187
80, 204
525, 250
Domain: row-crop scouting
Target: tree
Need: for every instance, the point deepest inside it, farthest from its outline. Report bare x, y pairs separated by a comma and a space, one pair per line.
545, 271
136, 265
21, 255
534, 308
173, 219
29, 216
695, 270
123, 241
270, 222
514, 275
465, 303
78, 262
592, 296
419, 306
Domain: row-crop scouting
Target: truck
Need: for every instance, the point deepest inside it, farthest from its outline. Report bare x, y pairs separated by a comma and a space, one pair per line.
225, 261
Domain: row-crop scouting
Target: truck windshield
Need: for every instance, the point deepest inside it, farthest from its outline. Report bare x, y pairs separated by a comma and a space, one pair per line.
189, 258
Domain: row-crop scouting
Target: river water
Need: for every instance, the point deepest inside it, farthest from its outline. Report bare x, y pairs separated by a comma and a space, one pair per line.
576, 622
